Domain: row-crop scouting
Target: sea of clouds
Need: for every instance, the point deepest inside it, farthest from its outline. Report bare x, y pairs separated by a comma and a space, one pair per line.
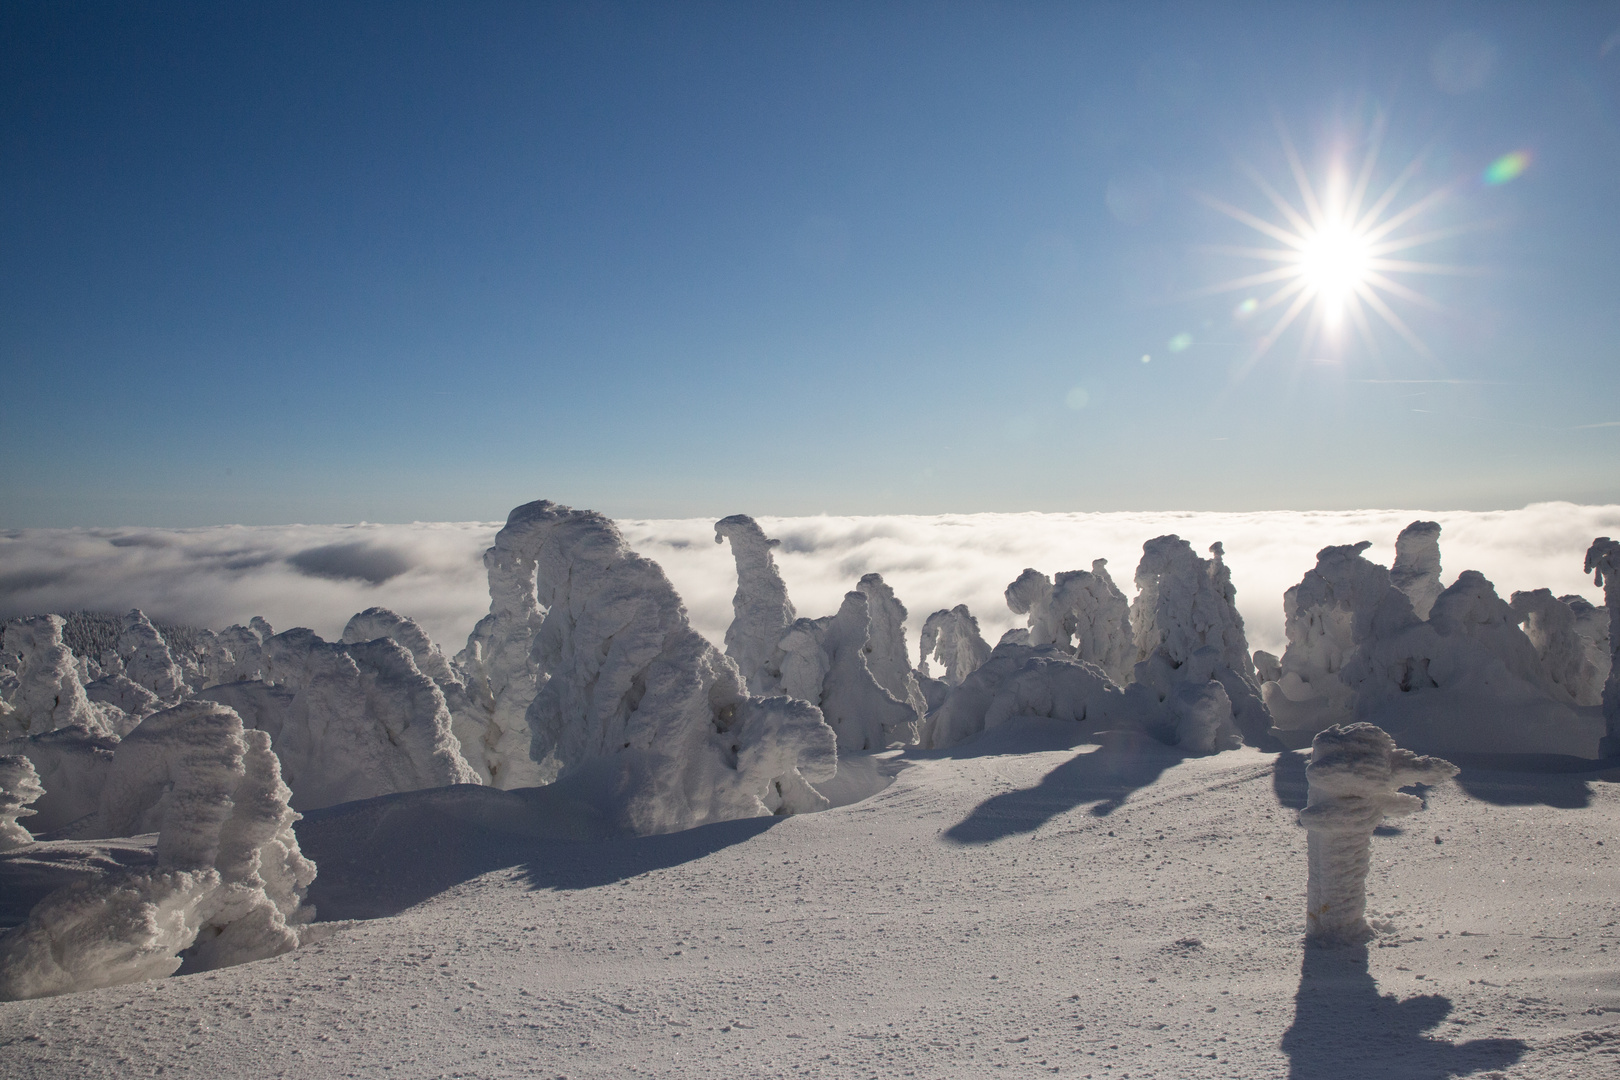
319, 575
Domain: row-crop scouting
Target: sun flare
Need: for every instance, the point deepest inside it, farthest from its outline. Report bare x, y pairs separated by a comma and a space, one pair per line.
1340, 252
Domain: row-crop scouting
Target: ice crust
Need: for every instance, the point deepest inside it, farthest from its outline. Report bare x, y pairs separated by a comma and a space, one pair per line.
1353, 777
633, 694
1466, 679
229, 882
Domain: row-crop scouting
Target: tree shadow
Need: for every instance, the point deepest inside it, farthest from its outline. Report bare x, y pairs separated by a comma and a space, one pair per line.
1564, 783
1344, 1029
378, 857
1105, 777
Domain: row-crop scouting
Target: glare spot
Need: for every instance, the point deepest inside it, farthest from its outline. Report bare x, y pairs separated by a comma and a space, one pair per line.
1245, 309
1077, 398
1181, 342
1146, 358
1507, 167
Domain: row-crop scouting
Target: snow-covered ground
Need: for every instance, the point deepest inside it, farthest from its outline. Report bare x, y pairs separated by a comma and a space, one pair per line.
1017, 904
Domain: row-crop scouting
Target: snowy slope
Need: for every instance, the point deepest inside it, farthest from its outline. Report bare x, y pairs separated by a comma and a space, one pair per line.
1021, 905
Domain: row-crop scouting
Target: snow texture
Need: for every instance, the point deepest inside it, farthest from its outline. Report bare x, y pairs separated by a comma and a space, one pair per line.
1467, 679
503, 675
349, 721
229, 879
1353, 775
761, 609
1081, 612
1416, 569
19, 787
951, 637
1603, 563
48, 694
632, 692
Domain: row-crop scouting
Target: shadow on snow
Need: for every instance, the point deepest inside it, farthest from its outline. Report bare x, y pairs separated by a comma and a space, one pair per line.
1344, 1029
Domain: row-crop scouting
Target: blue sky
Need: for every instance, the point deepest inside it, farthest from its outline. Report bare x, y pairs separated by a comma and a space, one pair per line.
273, 263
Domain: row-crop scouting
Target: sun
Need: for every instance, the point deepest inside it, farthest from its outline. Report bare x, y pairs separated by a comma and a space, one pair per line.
1339, 253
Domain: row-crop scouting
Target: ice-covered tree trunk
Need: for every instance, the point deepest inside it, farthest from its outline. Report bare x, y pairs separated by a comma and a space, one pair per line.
19, 786
761, 609
1554, 630
1416, 570
1353, 777
1603, 563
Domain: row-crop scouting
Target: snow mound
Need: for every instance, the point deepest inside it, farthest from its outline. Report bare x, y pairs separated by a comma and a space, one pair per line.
349, 721
229, 881
633, 693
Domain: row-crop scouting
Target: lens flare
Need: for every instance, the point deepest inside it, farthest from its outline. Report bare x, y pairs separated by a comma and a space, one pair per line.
1507, 167
1335, 249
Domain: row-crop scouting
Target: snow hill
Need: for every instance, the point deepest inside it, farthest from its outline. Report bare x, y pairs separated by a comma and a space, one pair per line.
1017, 904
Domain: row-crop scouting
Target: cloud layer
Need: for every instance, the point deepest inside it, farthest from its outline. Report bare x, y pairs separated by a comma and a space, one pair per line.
319, 575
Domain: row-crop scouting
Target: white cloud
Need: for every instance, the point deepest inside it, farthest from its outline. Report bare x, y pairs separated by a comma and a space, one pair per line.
317, 576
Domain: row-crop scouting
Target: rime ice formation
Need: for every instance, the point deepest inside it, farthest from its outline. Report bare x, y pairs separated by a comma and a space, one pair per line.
349, 721
1184, 604
951, 636
466, 720
378, 622
1023, 680
1466, 679
1353, 775
146, 658
632, 691
863, 713
1553, 628
72, 763
19, 786
1081, 612
761, 609
886, 656
1603, 563
502, 674
48, 694
229, 879
1416, 570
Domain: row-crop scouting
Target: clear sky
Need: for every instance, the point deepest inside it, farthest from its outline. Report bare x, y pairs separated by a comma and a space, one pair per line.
330, 262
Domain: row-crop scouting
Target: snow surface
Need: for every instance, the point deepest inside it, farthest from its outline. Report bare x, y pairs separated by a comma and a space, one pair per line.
1021, 906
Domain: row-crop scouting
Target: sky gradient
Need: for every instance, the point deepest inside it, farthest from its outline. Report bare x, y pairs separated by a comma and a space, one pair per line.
392, 262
